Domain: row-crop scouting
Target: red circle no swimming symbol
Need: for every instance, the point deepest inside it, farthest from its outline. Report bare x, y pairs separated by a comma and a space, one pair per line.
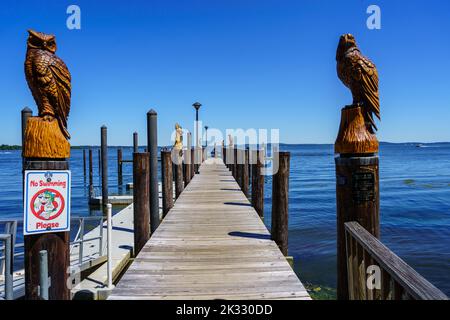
47, 204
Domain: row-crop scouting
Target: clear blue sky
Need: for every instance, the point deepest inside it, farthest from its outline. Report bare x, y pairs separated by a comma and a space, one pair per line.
251, 63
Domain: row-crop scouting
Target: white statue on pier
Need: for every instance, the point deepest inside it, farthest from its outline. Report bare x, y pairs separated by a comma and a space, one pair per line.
230, 141
179, 139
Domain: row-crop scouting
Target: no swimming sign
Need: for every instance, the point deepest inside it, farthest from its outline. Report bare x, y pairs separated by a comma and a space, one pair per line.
46, 201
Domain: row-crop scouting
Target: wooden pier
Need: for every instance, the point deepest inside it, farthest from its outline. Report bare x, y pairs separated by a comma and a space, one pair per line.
211, 245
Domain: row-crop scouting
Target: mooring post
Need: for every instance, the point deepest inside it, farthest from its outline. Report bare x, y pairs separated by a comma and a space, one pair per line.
119, 167
193, 164
104, 166
8, 271
141, 200
91, 175
84, 165
167, 178
258, 185
109, 262
230, 158
178, 165
357, 185
240, 168
250, 162
152, 141
135, 142
187, 161
43, 275
186, 169
235, 153
224, 156
245, 172
56, 243
99, 156
280, 201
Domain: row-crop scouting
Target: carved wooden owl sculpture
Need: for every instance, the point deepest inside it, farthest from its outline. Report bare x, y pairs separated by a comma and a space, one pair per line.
360, 75
48, 79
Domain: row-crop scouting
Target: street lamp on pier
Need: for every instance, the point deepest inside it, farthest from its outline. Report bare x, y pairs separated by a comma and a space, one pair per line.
197, 106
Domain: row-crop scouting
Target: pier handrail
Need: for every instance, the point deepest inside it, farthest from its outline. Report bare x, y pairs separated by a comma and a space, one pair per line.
11, 228
398, 280
7, 248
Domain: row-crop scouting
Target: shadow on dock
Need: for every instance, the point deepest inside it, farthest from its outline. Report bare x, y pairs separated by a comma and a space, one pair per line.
249, 235
238, 204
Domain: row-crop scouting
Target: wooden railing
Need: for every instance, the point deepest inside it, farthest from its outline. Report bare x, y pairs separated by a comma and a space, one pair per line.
376, 273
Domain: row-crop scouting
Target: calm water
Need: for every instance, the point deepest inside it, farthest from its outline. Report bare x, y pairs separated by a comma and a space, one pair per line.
415, 205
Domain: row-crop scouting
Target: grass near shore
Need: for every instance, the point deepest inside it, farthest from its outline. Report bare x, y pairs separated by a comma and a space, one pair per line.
318, 292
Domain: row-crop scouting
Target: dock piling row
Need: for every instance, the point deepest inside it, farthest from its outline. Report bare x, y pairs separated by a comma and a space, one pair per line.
141, 199
152, 142
166, 177
104, 166
280, 202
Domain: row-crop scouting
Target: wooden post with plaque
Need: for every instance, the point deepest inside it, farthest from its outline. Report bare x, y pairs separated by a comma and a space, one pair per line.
356, 147
46, 151
357, 185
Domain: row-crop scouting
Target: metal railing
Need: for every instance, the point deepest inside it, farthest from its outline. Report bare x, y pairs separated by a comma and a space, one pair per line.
7, 256
10, 250
80, 240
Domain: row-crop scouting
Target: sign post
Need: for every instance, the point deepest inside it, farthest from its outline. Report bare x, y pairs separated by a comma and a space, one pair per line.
47, 225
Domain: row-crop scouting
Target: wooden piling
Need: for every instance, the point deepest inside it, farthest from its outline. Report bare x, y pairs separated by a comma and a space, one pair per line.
250, 162
258, 185
224, 156
84, 165
193, 163
187, 161
135, 142
357, 185
178, 164
240, 168
186, 169
230, 158
91, 175
99, 156
104, 166
280, 201
141, 200
245, 173
55, 243
167, 177
234, 168
119, 167
152, 142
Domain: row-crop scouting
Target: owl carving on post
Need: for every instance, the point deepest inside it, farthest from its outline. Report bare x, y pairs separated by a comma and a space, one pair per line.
49, 80
359, 74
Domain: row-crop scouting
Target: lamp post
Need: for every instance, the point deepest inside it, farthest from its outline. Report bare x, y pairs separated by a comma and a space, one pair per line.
197, 106
206, 137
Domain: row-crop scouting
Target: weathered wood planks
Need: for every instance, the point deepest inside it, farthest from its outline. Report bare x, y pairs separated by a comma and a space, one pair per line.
211, 245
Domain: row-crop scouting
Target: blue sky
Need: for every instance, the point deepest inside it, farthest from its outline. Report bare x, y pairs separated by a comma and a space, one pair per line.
252, 64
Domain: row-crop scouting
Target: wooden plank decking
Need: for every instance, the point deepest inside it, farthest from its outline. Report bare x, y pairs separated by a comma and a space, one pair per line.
211, 245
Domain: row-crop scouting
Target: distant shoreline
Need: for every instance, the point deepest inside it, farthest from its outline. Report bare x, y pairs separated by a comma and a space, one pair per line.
17, 147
